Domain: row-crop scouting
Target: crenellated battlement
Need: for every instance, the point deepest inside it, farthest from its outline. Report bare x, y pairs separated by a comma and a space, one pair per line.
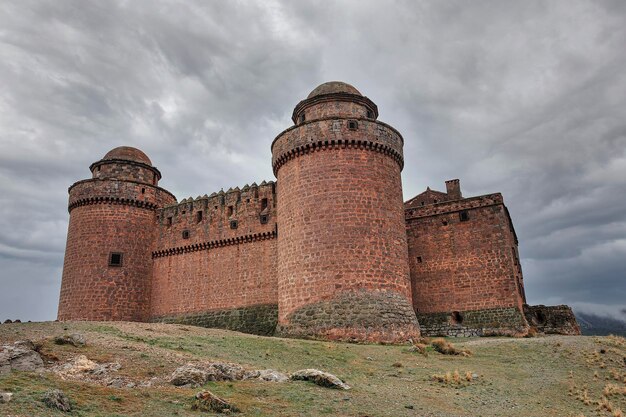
245, 211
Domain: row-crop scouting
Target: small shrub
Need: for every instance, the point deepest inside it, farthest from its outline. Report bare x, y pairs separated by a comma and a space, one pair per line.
444, 347
612, 389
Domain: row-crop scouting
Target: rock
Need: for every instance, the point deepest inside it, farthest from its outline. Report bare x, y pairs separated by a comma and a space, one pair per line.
116, 383
57, 399
271, 375
224, 371
19, 356
188, 375
74, 339
198, 374
207, 401
321, 378
5, 397
81, 367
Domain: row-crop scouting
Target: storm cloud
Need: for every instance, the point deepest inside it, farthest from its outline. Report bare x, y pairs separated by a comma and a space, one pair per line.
524, 98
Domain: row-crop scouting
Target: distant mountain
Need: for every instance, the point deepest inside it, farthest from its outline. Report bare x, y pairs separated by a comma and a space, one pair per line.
592, 324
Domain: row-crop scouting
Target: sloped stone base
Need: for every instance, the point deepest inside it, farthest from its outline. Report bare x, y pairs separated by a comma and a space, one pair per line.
378, 317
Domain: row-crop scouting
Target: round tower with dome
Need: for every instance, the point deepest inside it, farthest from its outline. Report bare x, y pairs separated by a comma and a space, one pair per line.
343, 270
108, 265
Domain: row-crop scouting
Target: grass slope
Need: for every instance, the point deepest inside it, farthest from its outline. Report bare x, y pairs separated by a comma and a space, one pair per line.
548, 376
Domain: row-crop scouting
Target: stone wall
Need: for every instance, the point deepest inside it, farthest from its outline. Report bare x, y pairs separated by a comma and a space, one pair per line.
487, 322
210, 282
463, 256
552, 319
256, 319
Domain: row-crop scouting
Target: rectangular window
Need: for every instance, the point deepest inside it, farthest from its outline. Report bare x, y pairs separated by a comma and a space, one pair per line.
230, 211
115, 259
263, 218
264, 204
419, 259
169, 221
199, 216
185, 234
464, 216
233, 224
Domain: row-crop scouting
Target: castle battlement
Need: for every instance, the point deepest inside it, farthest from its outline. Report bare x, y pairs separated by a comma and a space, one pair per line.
352, 261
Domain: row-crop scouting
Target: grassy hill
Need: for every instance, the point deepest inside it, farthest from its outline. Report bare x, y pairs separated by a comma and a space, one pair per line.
544, 376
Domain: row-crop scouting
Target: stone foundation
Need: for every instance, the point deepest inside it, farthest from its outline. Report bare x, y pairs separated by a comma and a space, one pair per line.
361, 316
552, 319
259, 319
489, 322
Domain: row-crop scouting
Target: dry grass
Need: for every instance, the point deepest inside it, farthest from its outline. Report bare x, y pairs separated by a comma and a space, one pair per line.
444, 347
453, 378
612, 389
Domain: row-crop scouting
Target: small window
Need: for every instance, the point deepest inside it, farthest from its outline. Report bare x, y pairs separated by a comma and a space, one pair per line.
143, 191
445, 222
184, 211
370, 114
302, 118
264, 204
98, 169
230, 211
115, 259
185, 234
352, 125
199, 216
154, 179
456, 318
422, 203
464, 216
435, 201
419, 259
263, 218
169, 221
247, 200
233, 224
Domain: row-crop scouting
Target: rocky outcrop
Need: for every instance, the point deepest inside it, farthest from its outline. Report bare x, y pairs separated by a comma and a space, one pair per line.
321, 378
20, 356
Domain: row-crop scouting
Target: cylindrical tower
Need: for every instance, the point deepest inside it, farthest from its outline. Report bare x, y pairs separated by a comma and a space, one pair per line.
343, 270
108, 264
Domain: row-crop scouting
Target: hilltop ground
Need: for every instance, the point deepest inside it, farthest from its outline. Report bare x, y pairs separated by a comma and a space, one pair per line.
543, 376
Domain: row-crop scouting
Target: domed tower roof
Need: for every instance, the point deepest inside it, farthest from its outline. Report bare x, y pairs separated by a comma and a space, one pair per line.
333, 87
334, 99
128, 153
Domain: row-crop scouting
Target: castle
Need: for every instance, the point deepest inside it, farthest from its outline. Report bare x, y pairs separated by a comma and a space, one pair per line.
328, 251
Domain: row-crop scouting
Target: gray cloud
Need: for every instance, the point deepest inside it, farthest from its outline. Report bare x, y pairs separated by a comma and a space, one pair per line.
525, 98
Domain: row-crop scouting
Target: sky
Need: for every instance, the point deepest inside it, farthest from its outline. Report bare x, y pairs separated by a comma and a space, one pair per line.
526, 98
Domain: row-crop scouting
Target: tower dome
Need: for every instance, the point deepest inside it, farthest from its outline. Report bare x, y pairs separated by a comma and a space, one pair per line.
334, 99
128, 153
331, 87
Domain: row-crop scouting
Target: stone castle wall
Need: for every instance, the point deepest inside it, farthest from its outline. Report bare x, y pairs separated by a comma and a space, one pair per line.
213, 272
463, 257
